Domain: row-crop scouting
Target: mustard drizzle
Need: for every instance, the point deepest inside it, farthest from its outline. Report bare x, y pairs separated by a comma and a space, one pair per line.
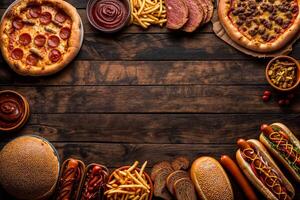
269, 175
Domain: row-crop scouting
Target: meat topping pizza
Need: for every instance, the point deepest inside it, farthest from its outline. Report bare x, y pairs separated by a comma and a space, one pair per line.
260, 25
40, 37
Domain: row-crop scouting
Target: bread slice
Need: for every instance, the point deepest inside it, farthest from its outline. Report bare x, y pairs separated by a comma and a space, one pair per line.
173, 177
160, 189
181, 163
157, 167
184, 189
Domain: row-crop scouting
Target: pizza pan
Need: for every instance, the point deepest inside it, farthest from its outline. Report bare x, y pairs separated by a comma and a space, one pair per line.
16, 1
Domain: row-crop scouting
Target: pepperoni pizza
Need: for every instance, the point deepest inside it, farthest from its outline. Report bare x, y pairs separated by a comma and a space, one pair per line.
40, 37
260, 25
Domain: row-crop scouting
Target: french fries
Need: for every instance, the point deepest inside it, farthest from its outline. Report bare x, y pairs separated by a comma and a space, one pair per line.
128, 184
147, 12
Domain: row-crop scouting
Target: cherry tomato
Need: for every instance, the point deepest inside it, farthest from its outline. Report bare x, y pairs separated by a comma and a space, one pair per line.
266, 98
267, 93
281, 102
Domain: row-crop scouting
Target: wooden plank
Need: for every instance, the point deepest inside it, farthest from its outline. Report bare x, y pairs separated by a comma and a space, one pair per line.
154, 99
161, 47
146, 73
152, 128
88, 28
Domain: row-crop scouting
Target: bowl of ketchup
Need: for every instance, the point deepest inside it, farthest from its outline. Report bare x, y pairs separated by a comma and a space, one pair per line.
108, 15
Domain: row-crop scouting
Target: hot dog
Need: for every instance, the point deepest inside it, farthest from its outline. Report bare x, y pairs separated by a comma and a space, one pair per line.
230, 166
68, 186
95, 179
282, 143
260, 169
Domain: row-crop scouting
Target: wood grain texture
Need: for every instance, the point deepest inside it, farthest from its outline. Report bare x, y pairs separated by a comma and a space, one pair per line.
149, 95
153, 99
161, 47
152, 128
146, 73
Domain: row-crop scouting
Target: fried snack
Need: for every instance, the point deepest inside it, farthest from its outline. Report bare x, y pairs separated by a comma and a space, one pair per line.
147, 12
129, 183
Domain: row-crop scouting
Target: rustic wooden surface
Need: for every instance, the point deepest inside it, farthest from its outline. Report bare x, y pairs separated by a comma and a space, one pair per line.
149, 95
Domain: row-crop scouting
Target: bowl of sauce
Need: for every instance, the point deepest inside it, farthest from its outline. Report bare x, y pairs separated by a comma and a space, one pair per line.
14, 111
108, 15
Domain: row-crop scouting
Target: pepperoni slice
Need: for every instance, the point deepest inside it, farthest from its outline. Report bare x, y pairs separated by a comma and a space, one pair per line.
54, 55
53, 41
25, 39
45, 18
17, 54
60, 17
35, 11
65, 33
40, 40
18, 24
32, 60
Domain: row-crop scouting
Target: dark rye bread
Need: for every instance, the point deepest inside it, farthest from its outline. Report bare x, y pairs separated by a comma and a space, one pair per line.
177, 13
159, 173
159, 166
184, 189
181, 163
173, 177
29, 168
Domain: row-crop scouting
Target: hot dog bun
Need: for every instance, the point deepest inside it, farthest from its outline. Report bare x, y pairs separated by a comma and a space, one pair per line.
277, 153
246, 168
210, 179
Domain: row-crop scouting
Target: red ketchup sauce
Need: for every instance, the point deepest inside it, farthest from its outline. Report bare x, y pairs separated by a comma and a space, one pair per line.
108, 15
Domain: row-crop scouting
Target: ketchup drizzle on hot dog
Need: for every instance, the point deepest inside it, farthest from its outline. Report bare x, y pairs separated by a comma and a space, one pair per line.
264, 172
70, 177
281, 140
95, 181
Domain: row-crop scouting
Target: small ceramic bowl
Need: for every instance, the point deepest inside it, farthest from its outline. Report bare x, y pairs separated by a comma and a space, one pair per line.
138, 169
6, 106
287, 58
93, 17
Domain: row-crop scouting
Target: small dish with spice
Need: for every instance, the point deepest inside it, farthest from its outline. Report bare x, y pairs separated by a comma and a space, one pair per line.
283, 73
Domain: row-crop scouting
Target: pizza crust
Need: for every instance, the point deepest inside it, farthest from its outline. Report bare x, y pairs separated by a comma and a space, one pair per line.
239, 38
73, 42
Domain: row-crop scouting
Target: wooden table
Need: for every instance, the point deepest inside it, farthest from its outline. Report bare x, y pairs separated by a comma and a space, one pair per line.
149, 95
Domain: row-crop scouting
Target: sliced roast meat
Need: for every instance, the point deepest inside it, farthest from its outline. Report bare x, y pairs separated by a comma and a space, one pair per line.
177, 13
195, 15
210, 7
204, 6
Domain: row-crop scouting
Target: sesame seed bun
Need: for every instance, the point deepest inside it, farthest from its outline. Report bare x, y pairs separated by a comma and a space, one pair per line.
210, 179
29, 168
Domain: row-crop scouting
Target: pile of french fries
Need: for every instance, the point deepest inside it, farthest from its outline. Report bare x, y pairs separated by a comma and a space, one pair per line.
129, 183
147, 12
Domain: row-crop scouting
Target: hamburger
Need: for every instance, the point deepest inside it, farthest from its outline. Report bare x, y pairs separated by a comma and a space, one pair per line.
29, 168
210, 179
